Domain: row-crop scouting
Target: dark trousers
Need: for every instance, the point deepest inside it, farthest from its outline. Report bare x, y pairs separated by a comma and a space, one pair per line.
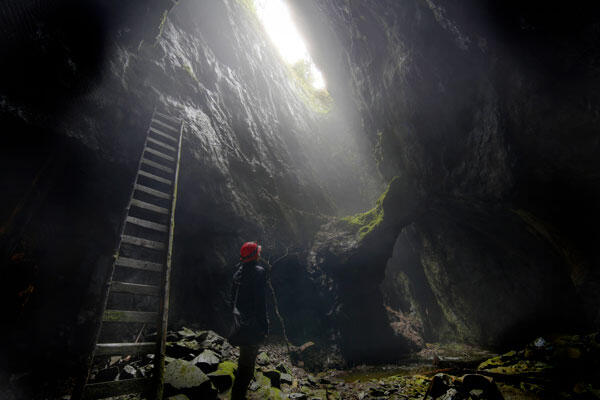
245, 371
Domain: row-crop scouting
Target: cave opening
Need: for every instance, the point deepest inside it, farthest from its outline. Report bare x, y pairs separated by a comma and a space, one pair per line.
427, 198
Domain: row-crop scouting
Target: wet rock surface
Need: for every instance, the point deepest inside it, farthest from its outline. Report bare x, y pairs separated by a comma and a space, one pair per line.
431, 80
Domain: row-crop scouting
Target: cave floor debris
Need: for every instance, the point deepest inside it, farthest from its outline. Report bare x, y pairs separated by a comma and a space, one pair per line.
203, 366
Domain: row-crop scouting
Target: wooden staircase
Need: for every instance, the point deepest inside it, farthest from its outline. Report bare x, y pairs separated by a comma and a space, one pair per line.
140, 275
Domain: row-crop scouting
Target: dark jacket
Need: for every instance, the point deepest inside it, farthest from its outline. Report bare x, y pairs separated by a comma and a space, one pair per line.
250, 283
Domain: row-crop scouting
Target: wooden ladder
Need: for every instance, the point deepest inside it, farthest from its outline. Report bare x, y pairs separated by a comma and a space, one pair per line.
144, 248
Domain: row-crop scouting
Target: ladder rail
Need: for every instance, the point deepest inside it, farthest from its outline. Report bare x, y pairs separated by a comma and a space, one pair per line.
156, 390
159, 357
78, 392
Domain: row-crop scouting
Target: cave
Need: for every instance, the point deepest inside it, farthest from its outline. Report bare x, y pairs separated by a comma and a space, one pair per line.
424, 183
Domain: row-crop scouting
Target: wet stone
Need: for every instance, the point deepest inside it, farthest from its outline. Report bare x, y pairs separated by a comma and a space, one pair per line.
263, 358
286, 379
207, 361
183, 377
274, 376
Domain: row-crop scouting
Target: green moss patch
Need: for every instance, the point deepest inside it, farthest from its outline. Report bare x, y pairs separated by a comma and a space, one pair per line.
367, 221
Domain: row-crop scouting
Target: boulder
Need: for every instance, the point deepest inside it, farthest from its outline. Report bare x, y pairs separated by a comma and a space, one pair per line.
274, 376
224, 376
285, 379
128, 372
480, 383
183, 349
211, 340
186, 332
184, 377
179, 397
281, 367
263, 358
207, 361
297, 396
439, 385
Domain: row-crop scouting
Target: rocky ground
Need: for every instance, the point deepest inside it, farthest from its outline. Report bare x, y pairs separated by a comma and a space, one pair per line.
202, 365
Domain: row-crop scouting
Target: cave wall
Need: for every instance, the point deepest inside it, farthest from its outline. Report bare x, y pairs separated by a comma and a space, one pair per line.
493, 110
257, 162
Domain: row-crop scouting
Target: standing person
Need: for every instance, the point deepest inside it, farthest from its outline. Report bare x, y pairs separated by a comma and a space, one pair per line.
250, 313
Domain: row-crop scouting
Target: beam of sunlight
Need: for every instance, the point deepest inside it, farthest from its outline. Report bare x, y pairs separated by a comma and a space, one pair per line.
276, 19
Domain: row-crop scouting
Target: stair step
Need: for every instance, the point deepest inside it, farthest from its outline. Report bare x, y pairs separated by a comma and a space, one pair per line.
165, 135
153, 192
136, 241
147, 224
134, 288
176, 120
159, 154
159, 143
164, 125
124, 349
130, 316
139, 264
148, 206
157, 165
103, 390
156, 178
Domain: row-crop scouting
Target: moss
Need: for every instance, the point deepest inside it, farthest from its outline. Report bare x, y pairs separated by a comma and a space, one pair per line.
318, 100
190, 71
226, 368
161, 26
269, 393
113, 315
367, 221
511, 364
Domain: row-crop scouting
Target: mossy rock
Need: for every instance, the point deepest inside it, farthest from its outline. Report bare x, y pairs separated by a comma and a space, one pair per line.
267, 393
182, 348
366, 222
224, 376
282, 368
179, 397
274, 376
182, 377
263, 358
186, 332
207, 361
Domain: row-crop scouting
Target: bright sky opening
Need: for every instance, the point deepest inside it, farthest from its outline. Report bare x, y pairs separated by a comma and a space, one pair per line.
275, 17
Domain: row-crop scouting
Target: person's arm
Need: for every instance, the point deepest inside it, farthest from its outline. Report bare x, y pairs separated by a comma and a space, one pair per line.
235, 284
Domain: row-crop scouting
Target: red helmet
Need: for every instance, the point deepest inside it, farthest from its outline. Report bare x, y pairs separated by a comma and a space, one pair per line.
250, 251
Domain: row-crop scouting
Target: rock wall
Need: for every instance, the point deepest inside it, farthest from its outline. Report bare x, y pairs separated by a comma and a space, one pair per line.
258, 163
492, 109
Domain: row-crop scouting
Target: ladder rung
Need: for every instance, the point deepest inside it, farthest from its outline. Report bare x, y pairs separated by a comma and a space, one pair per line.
134, 288
165, 125
138, 264
159, 154
159, 143
167, 117
150, 244
151, 191
147, 224
148, 206
156, 178
124, 349
157, 165
129, 316
116, 388
165, 135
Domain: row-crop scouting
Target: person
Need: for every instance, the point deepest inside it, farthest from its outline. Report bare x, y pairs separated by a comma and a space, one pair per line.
250, 310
